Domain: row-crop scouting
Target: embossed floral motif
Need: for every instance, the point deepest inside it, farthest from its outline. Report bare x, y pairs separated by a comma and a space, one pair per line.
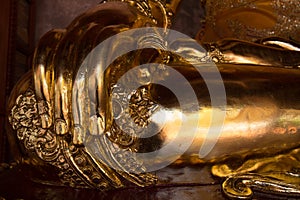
286, 13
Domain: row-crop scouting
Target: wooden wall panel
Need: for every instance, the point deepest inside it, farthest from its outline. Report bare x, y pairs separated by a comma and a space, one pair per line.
5, 15
16, 47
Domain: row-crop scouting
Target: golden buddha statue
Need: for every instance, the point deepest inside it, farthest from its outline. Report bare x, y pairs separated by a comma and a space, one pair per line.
100, 118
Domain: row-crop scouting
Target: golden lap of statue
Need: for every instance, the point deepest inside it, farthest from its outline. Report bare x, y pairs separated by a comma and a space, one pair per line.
118, 95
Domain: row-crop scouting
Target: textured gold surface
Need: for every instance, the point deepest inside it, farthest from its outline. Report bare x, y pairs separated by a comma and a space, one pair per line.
262, 116
252, 19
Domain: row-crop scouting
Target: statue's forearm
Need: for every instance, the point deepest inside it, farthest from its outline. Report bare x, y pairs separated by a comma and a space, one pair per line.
242, 52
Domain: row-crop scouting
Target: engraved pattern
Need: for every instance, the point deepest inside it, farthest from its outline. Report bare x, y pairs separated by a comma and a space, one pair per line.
76, 167
27, 123
142, 107
287, 21
43, 142
131, 117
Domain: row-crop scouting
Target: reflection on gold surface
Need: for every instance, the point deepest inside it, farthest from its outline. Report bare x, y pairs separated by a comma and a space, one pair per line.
57, 112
